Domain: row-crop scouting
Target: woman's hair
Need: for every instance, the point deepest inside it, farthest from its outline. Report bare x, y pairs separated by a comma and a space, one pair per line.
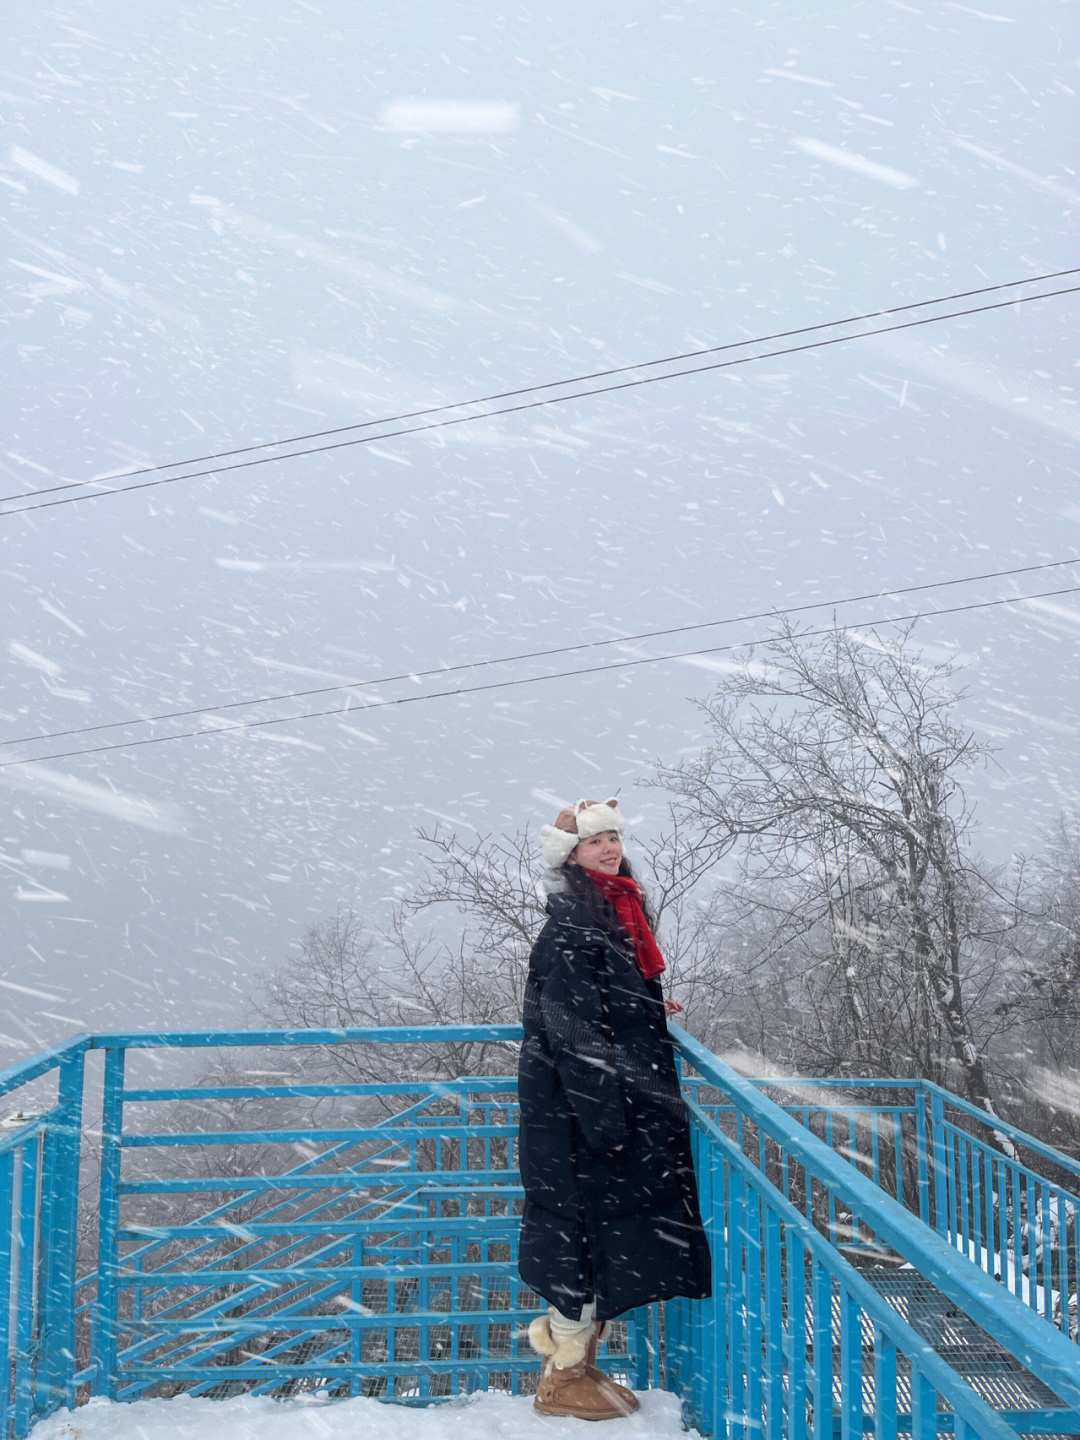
599, 909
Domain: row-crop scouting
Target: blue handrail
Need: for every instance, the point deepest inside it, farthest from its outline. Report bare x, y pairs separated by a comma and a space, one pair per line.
36, 1066
356, 1035
767, 1225
1049, 1356
1048, 1153
377, 1255
1019, 1225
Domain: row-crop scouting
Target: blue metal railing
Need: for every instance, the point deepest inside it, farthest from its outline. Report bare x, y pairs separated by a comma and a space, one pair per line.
39, 1167
799, 1173
961, 1170
1013, 1221
244, 1243
793, 1340
879, 1126
379, 1262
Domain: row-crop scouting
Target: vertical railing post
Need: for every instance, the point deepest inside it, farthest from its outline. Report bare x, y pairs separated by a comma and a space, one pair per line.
719, 1241
921, 1156
59, 1242
941, 1180
639, 1355
107, 1306
821, 1327
774, 1333
356, 1310
7, 1216
25, 1283
754, 1310
702, 1317
736, 1306
886, 1409
47, 1261
797, 1331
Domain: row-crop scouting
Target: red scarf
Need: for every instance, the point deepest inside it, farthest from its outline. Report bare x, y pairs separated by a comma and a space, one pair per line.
625, 897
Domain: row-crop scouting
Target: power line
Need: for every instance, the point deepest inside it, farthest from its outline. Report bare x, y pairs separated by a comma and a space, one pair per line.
549, 384
548, 400
528, 680
540, 654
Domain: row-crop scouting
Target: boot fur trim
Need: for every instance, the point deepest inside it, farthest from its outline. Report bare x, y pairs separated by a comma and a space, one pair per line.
570, 1352
540, 1336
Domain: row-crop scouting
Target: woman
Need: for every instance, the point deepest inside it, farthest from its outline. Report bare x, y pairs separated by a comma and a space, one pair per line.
611, 1217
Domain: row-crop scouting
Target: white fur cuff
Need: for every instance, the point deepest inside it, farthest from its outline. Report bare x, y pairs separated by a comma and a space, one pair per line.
540, 1336
570, 1350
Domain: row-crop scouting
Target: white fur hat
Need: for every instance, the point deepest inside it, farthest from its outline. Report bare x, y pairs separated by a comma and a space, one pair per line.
578, 822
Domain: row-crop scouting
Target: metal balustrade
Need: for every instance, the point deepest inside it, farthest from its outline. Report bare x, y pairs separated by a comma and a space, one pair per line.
958, 1168
1019, 1224
39, 1165
817, 1203
249, 1235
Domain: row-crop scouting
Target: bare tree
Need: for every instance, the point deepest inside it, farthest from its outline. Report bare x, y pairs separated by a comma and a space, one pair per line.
832, 777
348, 976
1041, 1000
490, 883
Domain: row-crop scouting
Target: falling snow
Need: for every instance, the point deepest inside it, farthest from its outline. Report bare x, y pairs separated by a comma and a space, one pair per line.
228, 227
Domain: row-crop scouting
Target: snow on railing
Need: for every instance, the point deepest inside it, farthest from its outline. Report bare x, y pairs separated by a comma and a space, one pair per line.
1017, 1223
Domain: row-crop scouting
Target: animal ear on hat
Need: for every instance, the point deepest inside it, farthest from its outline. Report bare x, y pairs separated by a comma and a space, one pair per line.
612, 804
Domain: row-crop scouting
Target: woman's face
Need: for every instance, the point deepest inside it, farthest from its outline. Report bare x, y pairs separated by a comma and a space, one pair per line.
602, 853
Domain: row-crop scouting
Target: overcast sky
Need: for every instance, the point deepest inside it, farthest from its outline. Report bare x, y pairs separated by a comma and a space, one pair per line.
226, 225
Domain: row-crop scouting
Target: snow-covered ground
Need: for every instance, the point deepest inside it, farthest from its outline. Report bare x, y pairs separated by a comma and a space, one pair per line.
488, 1416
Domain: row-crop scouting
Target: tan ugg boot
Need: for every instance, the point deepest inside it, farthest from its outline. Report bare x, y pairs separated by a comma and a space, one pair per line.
597, 1338
567, 1388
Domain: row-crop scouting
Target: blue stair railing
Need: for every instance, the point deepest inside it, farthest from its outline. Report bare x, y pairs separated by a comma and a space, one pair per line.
1019, 1224
960, 1169
260, 1233
1026, 1373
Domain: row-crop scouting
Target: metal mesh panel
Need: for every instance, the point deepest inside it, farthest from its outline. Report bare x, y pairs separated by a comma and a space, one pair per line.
1001, 1380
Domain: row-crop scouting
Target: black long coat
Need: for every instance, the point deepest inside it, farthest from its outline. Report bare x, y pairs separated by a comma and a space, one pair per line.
597, 1071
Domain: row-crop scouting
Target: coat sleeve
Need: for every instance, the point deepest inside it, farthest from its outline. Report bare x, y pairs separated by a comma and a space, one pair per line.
572, 1014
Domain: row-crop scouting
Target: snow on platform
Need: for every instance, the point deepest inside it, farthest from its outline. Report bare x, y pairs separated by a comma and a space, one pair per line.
485, 1416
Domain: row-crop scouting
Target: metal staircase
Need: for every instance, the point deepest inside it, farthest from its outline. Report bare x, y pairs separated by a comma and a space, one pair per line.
993, 1372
